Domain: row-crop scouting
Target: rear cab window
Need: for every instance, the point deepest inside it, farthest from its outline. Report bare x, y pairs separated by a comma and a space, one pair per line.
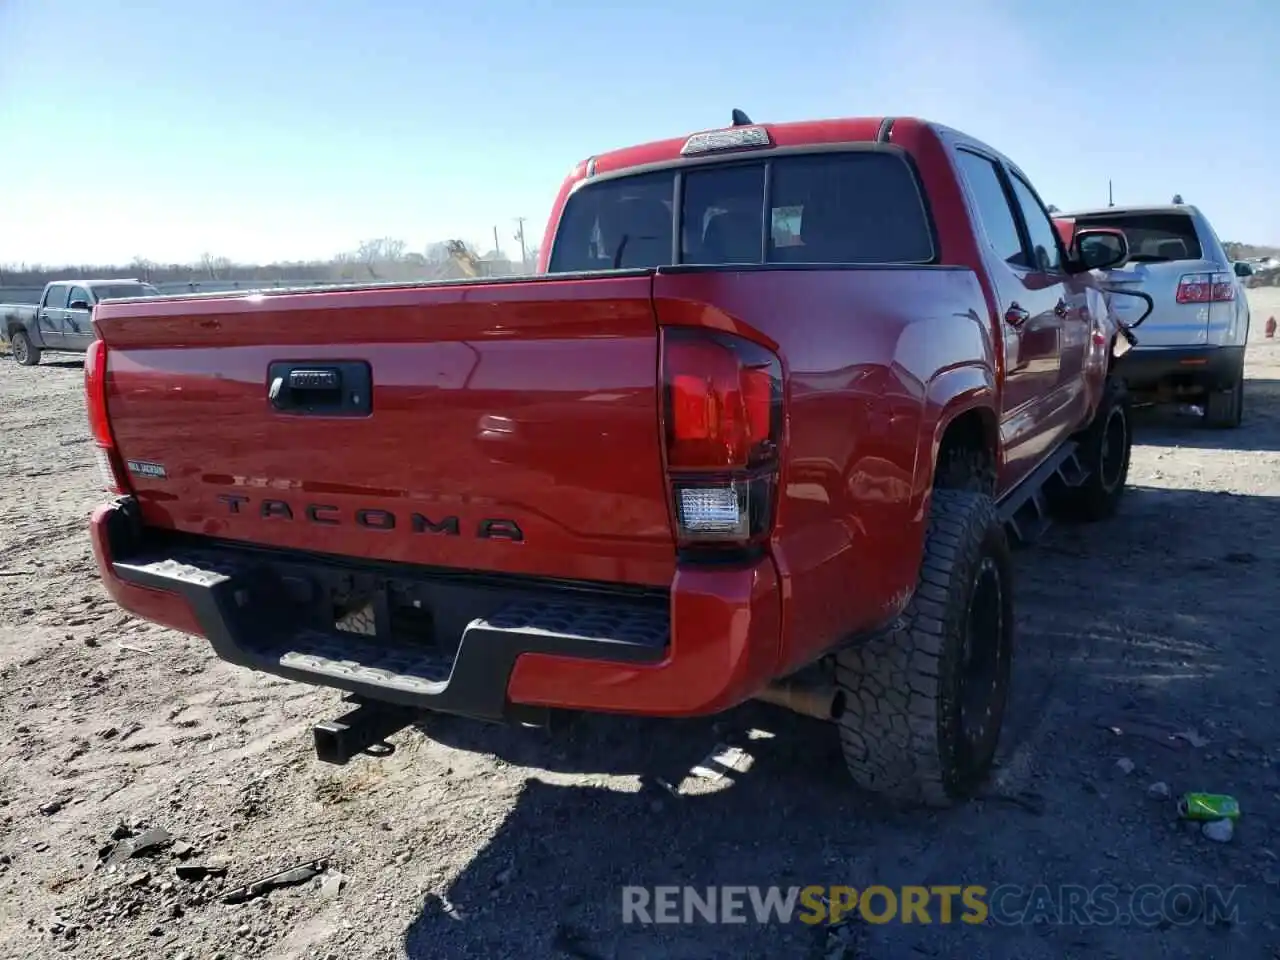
838, 207
1153, 237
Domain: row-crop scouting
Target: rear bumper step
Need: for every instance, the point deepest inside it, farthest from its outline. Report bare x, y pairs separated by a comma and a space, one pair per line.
253, 618
485, 645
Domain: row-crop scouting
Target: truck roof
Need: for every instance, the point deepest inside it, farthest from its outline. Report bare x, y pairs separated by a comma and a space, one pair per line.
798, 133
1159, 208
79, 282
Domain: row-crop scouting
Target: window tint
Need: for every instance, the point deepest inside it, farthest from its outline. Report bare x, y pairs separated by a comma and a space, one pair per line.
854, 207
616, 224
56, 297
857, 207
722, 215
1153, 237
80, 293
114, 291
1044, 239
994, 212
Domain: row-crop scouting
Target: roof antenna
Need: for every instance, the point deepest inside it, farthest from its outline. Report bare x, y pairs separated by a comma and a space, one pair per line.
740, 119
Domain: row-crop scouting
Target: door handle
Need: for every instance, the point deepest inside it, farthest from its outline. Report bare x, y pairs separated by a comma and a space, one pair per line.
1016, 316
1060, 309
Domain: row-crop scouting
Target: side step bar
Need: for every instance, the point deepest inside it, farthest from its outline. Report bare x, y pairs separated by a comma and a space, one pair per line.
1025, 509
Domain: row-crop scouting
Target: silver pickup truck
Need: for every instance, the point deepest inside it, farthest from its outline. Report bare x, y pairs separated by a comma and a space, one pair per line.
60, 321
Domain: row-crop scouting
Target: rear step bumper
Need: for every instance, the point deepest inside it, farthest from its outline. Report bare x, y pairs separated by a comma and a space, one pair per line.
711, 644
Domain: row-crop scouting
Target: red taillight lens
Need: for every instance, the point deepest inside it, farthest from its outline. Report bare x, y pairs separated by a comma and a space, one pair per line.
95, 395
1206, 288
723, 407
724, 401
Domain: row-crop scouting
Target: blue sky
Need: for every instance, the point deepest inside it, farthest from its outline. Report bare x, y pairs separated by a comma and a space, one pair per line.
290, 129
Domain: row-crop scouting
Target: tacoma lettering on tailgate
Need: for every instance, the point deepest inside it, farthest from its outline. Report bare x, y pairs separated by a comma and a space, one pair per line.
489, 528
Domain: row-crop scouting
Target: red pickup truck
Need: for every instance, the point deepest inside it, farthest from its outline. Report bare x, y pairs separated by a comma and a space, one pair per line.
759, 429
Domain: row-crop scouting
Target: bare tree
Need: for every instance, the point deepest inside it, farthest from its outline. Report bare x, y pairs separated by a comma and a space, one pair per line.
142, 268
216, 268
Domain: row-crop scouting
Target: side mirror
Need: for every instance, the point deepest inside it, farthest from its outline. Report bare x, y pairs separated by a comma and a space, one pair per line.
79, 305
1243, 269
1098, 248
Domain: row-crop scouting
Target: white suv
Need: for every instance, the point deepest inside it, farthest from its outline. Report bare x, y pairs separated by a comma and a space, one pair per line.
1192, 344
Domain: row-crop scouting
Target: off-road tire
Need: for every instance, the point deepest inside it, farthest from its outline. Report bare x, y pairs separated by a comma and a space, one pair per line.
24, 351
903, 728
1224, 409
1104, 449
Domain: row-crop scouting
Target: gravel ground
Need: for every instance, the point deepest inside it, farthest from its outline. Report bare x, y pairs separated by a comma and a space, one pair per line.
1144, 655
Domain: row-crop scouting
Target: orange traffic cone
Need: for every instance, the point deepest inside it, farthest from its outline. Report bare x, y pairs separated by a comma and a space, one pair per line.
1271, 327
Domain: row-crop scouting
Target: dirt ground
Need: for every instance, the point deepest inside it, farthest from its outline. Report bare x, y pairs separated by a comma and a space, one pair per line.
1147, 640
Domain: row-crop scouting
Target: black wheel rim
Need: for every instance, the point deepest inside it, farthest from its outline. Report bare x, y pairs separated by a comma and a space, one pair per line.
1114, 444
19, 348
981, 665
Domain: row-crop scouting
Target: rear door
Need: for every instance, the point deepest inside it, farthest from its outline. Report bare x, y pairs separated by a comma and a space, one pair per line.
1163, 248
77, 331
1029, 296
51, 315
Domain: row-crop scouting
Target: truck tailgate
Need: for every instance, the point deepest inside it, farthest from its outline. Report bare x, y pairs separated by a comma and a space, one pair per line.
506, 426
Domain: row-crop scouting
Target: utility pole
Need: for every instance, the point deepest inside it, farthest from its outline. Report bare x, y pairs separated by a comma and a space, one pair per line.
524, 252
1111, 197
497, 250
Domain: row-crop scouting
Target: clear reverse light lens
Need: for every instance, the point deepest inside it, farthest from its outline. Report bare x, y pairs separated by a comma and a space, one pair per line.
713, 510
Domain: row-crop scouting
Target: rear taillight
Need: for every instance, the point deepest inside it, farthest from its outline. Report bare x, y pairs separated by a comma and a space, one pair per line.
95, 392
1206, 288
723, 413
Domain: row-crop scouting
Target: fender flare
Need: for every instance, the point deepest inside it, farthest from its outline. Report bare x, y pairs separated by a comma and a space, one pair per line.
951, 394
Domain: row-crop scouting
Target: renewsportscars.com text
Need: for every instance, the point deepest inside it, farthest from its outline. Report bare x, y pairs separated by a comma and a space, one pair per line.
1006, 904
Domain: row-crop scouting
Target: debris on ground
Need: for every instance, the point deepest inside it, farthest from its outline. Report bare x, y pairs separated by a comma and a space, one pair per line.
198, 871
1159, 791
1208, 806
1125, 766
128, 846
285, 878
331, 885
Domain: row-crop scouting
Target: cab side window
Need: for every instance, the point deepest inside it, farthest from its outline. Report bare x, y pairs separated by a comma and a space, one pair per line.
80, 293
1044, 239
994, 213
55, 298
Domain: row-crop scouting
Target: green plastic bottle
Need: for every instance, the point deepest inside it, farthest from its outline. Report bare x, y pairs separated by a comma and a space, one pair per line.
1208, 806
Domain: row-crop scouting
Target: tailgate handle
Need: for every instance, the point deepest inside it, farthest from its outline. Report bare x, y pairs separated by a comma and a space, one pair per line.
341, 389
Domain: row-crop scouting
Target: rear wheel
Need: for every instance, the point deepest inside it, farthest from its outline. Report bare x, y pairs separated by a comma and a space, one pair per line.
924, 703
1104, 449
1224, 409
24, 351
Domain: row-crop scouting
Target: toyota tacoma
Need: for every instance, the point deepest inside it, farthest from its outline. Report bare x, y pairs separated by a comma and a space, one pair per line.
763, 426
